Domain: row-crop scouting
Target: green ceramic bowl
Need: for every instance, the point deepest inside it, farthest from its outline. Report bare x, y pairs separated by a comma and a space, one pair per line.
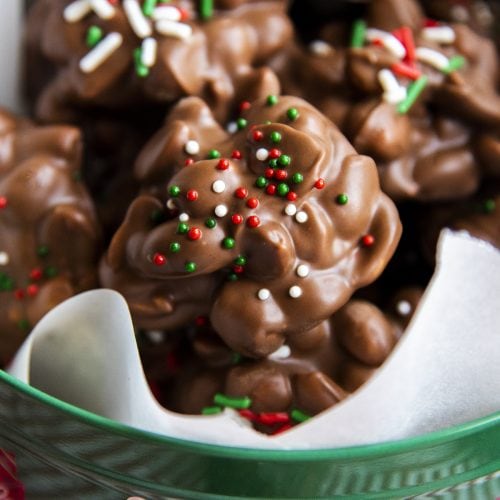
67, 452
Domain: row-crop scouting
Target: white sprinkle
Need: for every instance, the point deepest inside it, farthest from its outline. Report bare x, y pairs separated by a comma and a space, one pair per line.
263, 294
301, 217
232, 127
184, 217
432, 57
262, 154
167, 12
148, 52
282, 352
76, 11
389, 41
220, 210
439, 34
136, 18
192, 147
174, 29
4, 258
403, 307
155, 336
291, 209
171, 204
303, 270
320, 48
102, 8
101, 52
393, 91
218, 186
295, 292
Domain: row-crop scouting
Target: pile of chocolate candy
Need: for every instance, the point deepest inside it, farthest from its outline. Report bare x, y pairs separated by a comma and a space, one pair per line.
263, 182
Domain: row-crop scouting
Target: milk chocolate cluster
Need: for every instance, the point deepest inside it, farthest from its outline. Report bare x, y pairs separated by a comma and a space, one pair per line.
267, 230
418, 95
49, 236
126, 55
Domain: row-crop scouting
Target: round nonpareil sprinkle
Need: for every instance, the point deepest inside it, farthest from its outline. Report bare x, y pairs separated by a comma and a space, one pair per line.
368, 240
275, 137
295, 292
292, 114
320, 183
232, 127
241, 123
403, 307
252, 203
280, 174
210, 223
228, 243
284, 160
292, 196
236, 155
190, 267
218, 186
261, 182
342, 199
4, 258
291, 209
271, 189
171, 204
36, 274
192, 147
263, 294
175, 247
257, 135
159, 259
182, 228
223, 164
303, 270
253, 221
184, 217
301, 217
271, 100
102, 51
220, 210
262, 154
213, 154
236, 219
174, 29
102, 8
241, 193
297, 178
138, 22
320, 48
192, 195
76, 11
194, 233
241, 260
283, 189
3, 202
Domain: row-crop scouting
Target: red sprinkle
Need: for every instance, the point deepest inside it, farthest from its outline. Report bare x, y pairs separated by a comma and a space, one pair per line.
291, 196
430, 23
236, 154
236, 219
273, 418
194, 233
238, 269
367, 240
269, 173
241, 193
252, 203
32, 290
377, 42
402, 69
3, 202
271, 189
184, 14
274, 153
409, 44
201, 321
19, 294
253, 221
281, 429
320, 183
189, 161
223, 164
281, 174
248, 414
192, 195
159, 259
258, 135
36, 274
245, 105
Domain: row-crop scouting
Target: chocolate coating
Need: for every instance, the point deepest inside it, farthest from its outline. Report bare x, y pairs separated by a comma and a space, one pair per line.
219, 59
49, 237
307, 261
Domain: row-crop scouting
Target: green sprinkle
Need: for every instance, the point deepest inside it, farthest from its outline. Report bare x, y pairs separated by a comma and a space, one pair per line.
50, 272
6, 283
174, 191
414, 90
236, 358
23, 324
299, 416
232, 277
140, 68
42, 251
210, 223
241, 260
213, 154
261, 182
233, 402
175, 247
456, 62
271, 100
228, 243
241, 123
489, 206
292, 114
284, 160
273, 163
283, 189
275, 137
206, 9
94, 36
211, 410
190, 267
358, 33
182, 228
342, 199
148, 7
297, 178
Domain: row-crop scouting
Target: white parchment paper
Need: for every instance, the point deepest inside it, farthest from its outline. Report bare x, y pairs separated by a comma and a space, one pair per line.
444, 371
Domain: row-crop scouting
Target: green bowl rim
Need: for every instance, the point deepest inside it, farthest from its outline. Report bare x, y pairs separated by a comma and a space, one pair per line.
360, 451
